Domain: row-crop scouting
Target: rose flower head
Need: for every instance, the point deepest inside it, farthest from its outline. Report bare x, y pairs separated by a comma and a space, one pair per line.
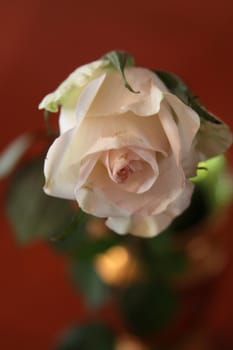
130, 139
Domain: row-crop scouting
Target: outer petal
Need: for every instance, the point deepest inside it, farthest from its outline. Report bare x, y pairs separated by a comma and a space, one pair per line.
190, 161
93, 201
114, 98
75, 109
212, 139
150, 226
73, 85
100, 187
60, 181
171, 130
187, 120
67, 119
158, 82
87, 97
188, 124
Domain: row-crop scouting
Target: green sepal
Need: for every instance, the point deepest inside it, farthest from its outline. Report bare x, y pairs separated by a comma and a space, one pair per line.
178, 87
120, 60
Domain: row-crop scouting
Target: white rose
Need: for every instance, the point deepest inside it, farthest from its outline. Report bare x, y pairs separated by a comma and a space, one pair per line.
122, 155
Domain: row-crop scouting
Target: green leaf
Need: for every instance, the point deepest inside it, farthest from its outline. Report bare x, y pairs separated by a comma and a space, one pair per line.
90, 248
162, 257
94, 290
216, 183
77, 242
73, 233
32, 213
120, 60
147, 307
92, 336
177, 86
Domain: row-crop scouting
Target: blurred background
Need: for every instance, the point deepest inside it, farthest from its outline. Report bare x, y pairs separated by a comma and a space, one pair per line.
41, 42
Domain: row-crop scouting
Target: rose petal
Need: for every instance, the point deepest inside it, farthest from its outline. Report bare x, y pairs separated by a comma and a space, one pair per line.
187, 120
87, 97
60, 180
114, 98
159, 83
166, 189
86, 166
72, 85
63, 160
139, 180
212, 139
93, 201
188, 123
190, 161
67, 119
171, 130
129, 131
150, 226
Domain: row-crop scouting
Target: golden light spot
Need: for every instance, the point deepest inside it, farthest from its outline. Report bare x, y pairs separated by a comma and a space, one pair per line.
117, 266
130, 343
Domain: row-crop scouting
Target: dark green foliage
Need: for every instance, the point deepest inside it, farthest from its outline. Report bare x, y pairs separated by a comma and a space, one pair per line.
161, 257
92, 336
32, 213
147, 306
77, 242
177, 86
94, 290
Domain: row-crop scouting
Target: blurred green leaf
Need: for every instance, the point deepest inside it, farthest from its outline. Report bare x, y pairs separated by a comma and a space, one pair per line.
77, 242
32, 213
72, 235
216, 182
147, 307
162, 258
160, 244
94, 290
91, 248
93, 336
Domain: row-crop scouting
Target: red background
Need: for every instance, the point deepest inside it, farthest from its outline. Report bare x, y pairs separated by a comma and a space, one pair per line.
41, 42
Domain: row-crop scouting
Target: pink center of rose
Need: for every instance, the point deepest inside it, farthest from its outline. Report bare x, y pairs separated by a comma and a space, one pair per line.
125, 167
123, 174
